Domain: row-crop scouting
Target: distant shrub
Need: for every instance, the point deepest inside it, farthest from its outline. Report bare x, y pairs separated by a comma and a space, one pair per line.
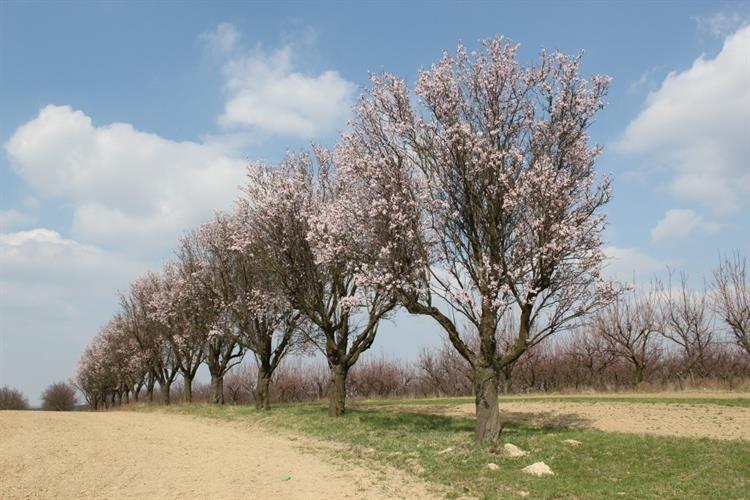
59, 397
12, 399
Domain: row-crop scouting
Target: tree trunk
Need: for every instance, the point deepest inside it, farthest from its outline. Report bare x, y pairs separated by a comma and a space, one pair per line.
507, 384
126, 396
150, 389
638, 376
337, 391
187, 391
164, 389
261, 390
488, 414
217, 389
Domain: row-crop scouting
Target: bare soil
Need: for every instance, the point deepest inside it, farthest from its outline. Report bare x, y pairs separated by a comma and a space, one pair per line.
134, 455
673, 419
686, 394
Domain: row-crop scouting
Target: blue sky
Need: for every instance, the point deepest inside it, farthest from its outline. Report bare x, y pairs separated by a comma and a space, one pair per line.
123, 125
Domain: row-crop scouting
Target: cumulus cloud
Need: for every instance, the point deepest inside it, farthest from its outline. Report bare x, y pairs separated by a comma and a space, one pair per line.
129, 188
267, 93
679, 223
698, 122
624, 264
13, 219
42, 257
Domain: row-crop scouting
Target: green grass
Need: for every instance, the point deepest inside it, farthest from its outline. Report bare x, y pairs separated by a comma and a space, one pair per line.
605, 465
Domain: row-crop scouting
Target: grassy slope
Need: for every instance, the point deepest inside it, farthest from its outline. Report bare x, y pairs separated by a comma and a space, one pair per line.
604, 465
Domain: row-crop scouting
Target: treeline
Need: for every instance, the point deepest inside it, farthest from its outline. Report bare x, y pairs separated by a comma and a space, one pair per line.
661, 338
477, 206
564, 365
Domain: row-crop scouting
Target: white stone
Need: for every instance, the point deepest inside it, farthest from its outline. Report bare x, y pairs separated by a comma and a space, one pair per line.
538, 469
513, 451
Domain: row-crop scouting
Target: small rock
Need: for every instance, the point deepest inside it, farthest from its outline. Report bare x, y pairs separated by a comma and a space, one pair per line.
538, 469
513, 451
523, 494
492, 466
572, 442
447, 450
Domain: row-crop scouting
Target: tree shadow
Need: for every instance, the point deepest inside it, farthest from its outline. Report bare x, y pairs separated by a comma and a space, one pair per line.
412, 421
543, 421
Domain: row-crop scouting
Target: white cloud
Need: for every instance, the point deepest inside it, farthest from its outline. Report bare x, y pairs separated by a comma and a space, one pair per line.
129, 188
267, 94
721, 24
624, 264
679, 223
222, 39
42, 257
699, 121
13, 219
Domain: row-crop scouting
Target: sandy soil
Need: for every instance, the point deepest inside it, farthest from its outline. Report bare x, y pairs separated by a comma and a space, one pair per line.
132, 455
688, 394
674, 419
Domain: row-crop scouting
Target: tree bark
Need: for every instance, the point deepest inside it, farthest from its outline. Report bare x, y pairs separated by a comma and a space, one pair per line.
488, 414
217, 389
638, 376
261, 390
187, 391
507, 382
337, 391
150, 388
164, 389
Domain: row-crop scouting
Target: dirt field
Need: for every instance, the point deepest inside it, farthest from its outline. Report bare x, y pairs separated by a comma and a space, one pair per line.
685, 420
132, 455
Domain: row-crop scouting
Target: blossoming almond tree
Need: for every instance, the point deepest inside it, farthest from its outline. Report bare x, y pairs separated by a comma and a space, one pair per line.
287, 220
138, 311
186, 311
481, 200
251, 302
112, 366
206, 272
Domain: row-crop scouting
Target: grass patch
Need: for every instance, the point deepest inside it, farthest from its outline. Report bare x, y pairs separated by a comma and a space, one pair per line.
605, 465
